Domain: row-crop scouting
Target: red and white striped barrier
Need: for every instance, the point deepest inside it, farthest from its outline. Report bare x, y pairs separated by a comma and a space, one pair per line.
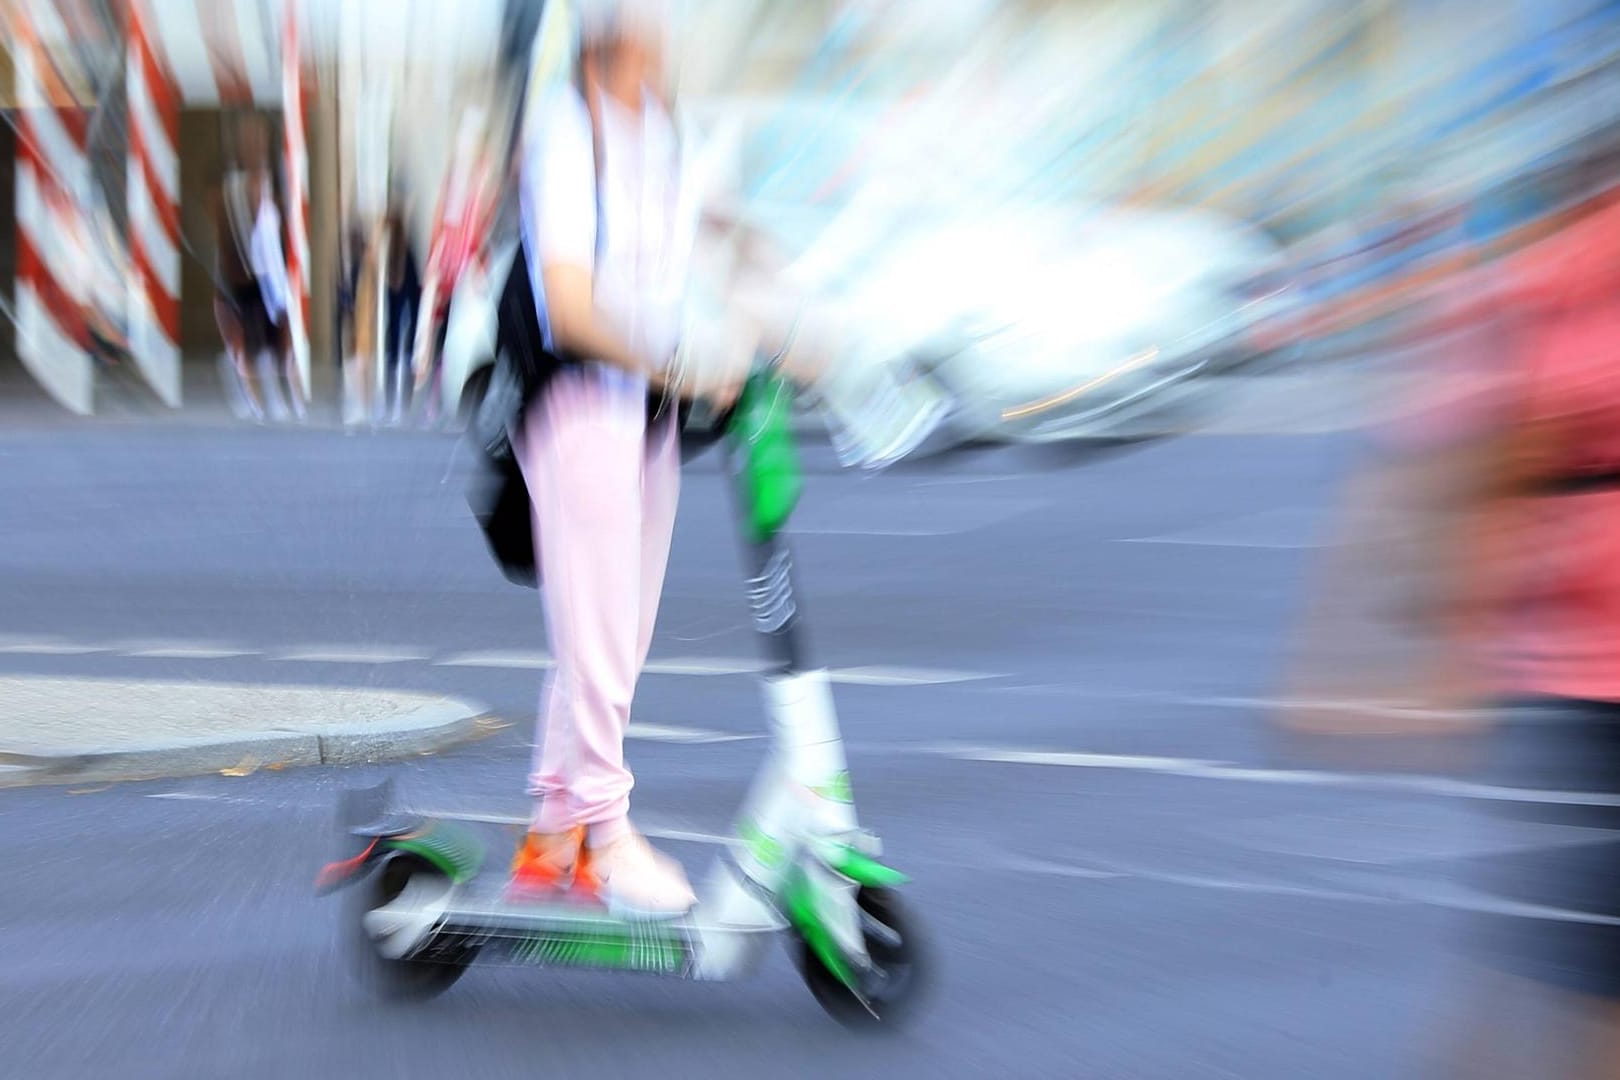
153, 186
53, 182
297, 160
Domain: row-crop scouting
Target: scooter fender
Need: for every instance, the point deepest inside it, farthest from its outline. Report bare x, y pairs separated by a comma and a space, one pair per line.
820, 906
371, 846
458, 856
860, 866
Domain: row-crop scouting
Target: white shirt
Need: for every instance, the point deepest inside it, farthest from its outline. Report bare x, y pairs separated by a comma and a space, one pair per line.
648, 220
265, 257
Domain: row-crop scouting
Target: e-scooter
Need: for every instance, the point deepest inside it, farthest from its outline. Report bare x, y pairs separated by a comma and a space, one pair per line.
800, 864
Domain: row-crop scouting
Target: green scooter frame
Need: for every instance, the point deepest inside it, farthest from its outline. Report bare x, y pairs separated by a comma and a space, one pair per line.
800, 865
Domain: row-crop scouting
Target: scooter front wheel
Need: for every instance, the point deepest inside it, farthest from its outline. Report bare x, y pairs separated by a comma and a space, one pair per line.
425, 973
889, 993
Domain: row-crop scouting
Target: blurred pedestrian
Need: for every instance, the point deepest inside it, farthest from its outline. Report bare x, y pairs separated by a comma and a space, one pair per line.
251, 271
346, 317
403, 282
1514, 469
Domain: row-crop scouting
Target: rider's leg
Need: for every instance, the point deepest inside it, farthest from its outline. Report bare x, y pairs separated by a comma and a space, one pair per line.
587, 466
582, 452
660, 490
625, 868
660, 494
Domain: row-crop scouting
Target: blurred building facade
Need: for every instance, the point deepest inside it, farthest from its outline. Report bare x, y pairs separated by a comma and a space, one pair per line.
393, 70
1297, 115
1221, 102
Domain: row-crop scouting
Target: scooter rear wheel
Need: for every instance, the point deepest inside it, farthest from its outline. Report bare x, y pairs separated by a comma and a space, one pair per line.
415, 978
901, 967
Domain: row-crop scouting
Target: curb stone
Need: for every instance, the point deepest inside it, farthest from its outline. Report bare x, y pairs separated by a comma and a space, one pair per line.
432, 727
424, 730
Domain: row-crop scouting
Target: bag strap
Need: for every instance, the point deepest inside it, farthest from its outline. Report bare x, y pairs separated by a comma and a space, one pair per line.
593, 114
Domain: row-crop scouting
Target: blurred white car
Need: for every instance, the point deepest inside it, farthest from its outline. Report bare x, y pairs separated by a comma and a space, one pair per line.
1039, 325
1051, 324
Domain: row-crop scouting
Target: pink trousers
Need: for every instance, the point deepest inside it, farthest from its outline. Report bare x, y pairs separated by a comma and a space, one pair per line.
604, 492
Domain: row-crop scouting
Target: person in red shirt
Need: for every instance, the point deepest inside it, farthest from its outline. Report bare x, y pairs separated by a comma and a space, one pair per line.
1510, 466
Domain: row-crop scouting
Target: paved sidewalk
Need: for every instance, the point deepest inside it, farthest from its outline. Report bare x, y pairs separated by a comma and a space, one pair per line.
64, 730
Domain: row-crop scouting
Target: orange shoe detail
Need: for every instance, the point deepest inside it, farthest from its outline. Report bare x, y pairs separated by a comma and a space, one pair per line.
547, 862
587, 885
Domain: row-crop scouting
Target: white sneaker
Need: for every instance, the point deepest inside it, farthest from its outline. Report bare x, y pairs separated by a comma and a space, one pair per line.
634, 881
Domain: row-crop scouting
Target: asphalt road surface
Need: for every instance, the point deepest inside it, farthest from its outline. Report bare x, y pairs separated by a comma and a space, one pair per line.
1053, 680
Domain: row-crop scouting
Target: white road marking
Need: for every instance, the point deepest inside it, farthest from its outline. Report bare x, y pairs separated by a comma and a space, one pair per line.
1109, 870
696, 666
901, 676
1300, 777
1366, 708
663, 733
1012, 756
1459, 898
1193, 768
1047, 868
498, 659
1270, 530
338, 654
1452, 896
50, 648
188, 652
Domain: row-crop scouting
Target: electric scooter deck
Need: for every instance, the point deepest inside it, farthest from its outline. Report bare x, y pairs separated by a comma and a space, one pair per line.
483, 909
482, 917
